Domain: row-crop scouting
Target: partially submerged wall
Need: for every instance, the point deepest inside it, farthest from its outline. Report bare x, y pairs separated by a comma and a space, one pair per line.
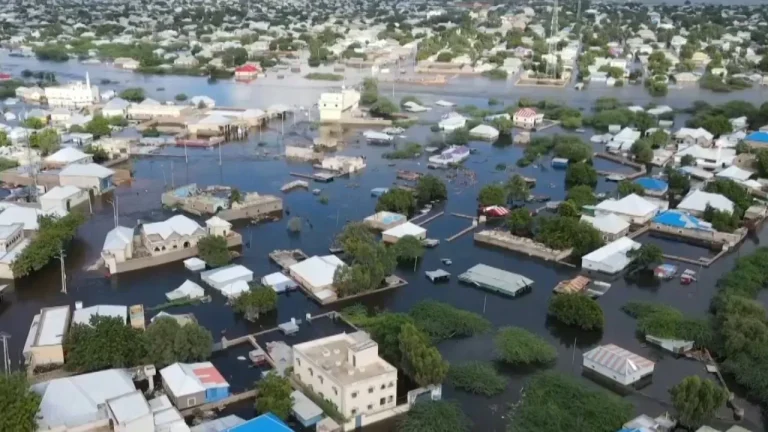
521, 244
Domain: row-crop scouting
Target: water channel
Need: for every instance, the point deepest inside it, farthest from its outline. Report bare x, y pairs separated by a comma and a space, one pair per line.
243, 166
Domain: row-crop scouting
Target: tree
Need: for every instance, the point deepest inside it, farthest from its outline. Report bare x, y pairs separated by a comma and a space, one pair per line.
734, 192
46, 140
408, 248
642, 151
679, 183
580, 173
421, 360
181, 97
478, 378
4, 140
104, 343
295, 224
574, 150
98, 126
435, 416
214, 250
429, 188
716, 124
644, 121
721, 220
566, 232
354, 236
235, 196
761, 161
133, 94
581, 195
397, 201
627, 187
688, 160
53, 235
18, 403
517, 188
33, 123
260, 299
169, 342
519, 347
274, 395
568, 209
644, 257
6, 164
442, 321
492, 194
576, 310
696, 400
503, 125
383, 107
520, 222
99, 154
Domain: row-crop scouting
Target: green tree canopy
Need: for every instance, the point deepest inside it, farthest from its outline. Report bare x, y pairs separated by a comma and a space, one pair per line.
18, 403
53, 235
169, 342
517, 188
213, 250
520, 222
355, 235
430, 188
98, 126
4, 140
104, 343
688, 160
33, 123
581, 195
443, 321
384, 107
99, 154
397, 201
181, 97
477, 377
421, 360
642, 151
627, 187
662, 321
576, 310
519, 347
734, 192
435, 416
679, 183
580, 173
575, 150
568, 232
492, 194
133, 94
696, 400
274, 395
258, 300
643, 258
408, 248
568, 209
46, 140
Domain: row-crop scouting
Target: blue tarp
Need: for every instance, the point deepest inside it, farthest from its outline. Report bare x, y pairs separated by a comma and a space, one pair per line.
678, 219
653, 184
758, 137
264, 423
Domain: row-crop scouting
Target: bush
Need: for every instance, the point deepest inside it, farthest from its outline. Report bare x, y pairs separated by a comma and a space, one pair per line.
663, 321
434, 416
576, 310
478, 378
517, 346
442, 321
319, 76
213, 250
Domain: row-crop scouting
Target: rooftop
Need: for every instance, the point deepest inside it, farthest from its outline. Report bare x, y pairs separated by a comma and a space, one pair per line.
190, 378
264, 423
317, 270
609, 223
84, 315
608, 252
406, 229
53, 326
86, 170
179, 224
633, 205
491, 277
618, 359
128, 407
698, 200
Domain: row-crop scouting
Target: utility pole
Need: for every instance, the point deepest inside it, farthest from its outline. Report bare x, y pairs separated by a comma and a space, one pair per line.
219, 154
173, 177
554, 28
6, 359
61, 257
186, 158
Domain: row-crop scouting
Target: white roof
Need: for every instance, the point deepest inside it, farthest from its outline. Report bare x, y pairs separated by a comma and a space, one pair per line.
276, 278
179, 224
304, 407
83, 316
234, 289
697, 200
694, 133
67, 155
27, 216
53, 326
405, 229
227, 273
86, 170
618, 359
216, 221
118, 238
609, 223
76, 400
194, 261
179, 382
188, 289
318, 270
610, 251
129, 407
735, 173
633, 205
61, 192
484, 130
716, 154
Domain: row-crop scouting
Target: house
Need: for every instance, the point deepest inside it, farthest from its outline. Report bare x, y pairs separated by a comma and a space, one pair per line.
190, 384
343, 164
186, 61
304, 410
31, 94
690, 137
611, 258
77, 94
230, 280
484, 132
346, 370
202, 101
12, 243
708, 158
617, 364
697, 200
394, 234
247, 71
83, 315
527, 118
632, 208
62, 198
452, 122
228, 423
334, 106
116, 107
149, 109
652, 186
449, 156
735, 173
218, 226
177, 232
264, 423
279, 282
644, 423
315, 274
623, 140
60, 114
610, 226
118, 246
757, 139
45, 340
130, 412
68, 155
89, 176
114, 147
384, 220
80, 402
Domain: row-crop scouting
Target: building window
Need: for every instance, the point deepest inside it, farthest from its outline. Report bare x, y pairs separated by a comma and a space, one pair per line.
382, 401
353, 411
298, 362
321, 379
389, 399
391, 384
383, 386
354, 395
311, 373
335, 391
370, 407
370, 389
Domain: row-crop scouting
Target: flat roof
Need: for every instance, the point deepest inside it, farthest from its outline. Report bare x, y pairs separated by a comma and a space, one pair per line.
53, 326
491, 277
84, 315
304, 407
225, 274
129, 407
405, 229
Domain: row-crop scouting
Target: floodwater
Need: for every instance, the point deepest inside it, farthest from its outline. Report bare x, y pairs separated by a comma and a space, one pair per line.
349, 199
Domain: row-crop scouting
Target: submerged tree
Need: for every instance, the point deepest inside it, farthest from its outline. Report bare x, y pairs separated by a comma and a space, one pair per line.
258, 300
397, 201
104, 343
517, 346
421, 360
477, 377
430, 188
274, 395
169, 342
214, 250
295, 224
408, 248
644, 257
696, 400
435, 416
577, 310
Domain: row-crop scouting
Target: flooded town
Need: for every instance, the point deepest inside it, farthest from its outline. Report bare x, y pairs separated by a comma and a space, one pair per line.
394, 216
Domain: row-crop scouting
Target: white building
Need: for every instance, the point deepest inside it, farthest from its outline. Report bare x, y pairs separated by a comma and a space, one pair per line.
116, 107
177, 232
91, 177
76, 94
394, 234
62, 198
222, 277
334, 106
708, 158
611, 258
452, 122
617, 364
610, 226
451, 155
45, 340
696, 202
316, 273
83, 315
68, 155
346, 369
632, 208
130, 412
691, 137
118, 247
527, 118
279, 282
343, 164
12, 243
484, 132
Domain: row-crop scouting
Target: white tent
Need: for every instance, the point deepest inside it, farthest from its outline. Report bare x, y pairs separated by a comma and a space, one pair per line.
188, 290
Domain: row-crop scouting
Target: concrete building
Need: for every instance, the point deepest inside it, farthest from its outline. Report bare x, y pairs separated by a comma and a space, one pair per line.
385, 220
394, 234
73, 95
610, 226
484, 132
189, 385
224, 277
315, 274
63, 198
178, 232
118, 246
346, 369
611, 258
334, 107
617, 364
45, 340
218, 226
451, 155
707, 157
632, 208
68, 155
689, 137
12, 243
527, 118
247, 71
91, 177
83, 315
696, 202
343, 164
147, 110
116, 107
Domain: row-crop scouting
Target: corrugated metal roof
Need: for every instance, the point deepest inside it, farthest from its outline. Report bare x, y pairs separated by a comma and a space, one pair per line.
618, 359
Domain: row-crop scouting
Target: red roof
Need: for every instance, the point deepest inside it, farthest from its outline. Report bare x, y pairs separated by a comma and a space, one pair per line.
248, 68
526, 113
495, 211
209, 375
5, 76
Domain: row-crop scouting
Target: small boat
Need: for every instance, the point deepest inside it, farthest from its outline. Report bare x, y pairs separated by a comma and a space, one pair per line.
616, 177
688, 277
316, 191
446, 261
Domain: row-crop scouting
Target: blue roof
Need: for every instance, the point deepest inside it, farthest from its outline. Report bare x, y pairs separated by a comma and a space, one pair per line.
264, 423
758, 136
651, 183
678, 219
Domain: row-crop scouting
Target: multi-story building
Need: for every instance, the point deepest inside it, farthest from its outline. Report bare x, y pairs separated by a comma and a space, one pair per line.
333, 106
75, 94
346, 369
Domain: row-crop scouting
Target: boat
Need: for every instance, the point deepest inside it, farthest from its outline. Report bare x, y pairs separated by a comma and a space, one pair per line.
316, 191
688, 277
616, 177
446, 261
